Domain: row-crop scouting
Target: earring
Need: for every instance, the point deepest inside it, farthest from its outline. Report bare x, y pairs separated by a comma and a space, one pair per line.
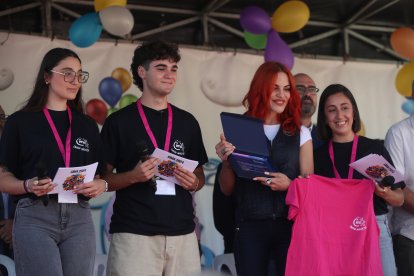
47, 83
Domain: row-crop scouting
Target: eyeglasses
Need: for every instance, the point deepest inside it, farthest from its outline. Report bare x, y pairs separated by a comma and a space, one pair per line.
70, 75
3, 117
302, 90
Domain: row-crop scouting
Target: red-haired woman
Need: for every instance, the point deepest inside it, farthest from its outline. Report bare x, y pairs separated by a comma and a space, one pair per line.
262, 227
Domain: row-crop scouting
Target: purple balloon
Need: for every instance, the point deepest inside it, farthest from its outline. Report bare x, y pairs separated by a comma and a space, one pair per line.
255, 20
278, 50
110, 90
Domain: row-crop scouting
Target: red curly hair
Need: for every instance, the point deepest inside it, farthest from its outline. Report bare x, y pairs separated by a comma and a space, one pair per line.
257, 99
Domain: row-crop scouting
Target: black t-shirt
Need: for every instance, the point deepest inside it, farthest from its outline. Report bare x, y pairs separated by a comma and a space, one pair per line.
137, 209
342, 156
28, 140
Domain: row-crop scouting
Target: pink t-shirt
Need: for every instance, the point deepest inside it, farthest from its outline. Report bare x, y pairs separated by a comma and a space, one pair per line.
335, 231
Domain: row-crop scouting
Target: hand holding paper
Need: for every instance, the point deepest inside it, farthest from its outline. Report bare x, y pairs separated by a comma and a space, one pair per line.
169, 166
68, 178
376, 167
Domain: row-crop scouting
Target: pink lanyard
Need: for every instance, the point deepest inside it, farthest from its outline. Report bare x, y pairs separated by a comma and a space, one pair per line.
148, 129
65, 151
353, 156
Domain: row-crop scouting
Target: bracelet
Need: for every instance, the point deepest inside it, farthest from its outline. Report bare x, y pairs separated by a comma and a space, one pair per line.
106, 185
26, 188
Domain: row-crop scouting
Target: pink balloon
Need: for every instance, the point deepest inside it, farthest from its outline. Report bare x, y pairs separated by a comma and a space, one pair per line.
255, 20
278, 50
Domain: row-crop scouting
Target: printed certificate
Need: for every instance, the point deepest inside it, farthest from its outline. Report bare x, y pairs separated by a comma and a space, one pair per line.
67, 178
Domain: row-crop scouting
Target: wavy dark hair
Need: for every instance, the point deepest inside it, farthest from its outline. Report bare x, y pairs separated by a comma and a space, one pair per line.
257, 99
324, 131
150, 51
38, 98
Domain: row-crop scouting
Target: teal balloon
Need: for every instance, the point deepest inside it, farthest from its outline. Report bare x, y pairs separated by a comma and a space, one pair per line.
408, 107
255, 41
127, 100
85, 30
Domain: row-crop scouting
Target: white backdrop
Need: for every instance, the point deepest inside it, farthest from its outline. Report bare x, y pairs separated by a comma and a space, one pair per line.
208, 82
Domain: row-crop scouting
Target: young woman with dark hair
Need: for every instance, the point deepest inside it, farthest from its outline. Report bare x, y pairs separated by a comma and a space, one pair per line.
338, 124
262, 228
51, 131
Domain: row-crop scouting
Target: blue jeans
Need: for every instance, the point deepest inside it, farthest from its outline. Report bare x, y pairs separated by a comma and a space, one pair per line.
58, 239
387, 252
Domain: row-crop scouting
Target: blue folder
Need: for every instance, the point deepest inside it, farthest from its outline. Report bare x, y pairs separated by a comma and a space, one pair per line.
251, 156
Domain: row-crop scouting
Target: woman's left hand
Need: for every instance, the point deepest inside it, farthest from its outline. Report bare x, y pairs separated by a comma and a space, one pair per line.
187, 179
91, 189
276, 181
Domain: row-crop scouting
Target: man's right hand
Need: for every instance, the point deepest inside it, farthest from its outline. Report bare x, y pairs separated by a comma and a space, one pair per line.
144, 171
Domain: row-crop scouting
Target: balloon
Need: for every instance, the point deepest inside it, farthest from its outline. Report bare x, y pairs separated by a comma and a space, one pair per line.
278, 50
127, 100
404, 79
402, 41
123, 76
6, 78
361, 132
255, 20
117, 20
408, 107
102, 4
290, 17
255, 41
97, 110
112, 110
85, 30
110, 90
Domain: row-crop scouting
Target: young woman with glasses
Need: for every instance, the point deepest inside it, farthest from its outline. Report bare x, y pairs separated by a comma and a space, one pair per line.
51, 131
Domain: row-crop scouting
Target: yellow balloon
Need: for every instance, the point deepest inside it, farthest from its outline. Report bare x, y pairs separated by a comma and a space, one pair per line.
404, 79
290, 17
362, 130
123, 76
102, 4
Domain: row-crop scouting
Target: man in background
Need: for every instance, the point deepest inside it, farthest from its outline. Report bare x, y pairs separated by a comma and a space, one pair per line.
399, 142
308, 92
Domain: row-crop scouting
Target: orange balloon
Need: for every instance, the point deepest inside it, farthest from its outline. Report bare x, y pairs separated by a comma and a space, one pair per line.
402, 41
97, 110
123, 76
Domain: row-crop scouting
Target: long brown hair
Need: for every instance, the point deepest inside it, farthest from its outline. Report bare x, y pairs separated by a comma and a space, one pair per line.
257, 99
38, 98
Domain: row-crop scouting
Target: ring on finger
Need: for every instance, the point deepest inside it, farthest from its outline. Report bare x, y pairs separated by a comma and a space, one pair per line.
268, 181
223, 151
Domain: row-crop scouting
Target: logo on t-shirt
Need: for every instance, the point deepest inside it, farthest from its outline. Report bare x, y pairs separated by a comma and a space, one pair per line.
178, 148
81, 144
358, 224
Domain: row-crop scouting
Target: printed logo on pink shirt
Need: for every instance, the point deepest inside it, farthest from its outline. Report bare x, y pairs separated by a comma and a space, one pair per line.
358, 224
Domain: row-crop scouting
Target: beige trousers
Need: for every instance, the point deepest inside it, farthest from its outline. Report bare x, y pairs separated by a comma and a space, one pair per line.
135, 255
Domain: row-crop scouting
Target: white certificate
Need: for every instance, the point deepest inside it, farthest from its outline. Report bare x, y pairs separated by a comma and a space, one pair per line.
67, 178
169, 162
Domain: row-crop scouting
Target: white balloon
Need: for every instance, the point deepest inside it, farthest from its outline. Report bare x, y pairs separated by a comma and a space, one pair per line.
6, 78
117, 20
